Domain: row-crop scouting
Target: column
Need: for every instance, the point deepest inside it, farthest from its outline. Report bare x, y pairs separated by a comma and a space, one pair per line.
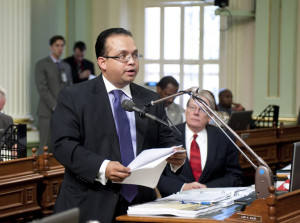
15, 57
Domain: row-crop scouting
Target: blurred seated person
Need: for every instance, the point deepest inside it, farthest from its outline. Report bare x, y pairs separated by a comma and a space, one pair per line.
226, 103
224, 116
5, 120
82, 69
168, 86
213, 160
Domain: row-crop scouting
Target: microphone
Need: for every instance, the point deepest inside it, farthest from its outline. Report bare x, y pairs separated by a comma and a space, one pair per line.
190, 91
129, 105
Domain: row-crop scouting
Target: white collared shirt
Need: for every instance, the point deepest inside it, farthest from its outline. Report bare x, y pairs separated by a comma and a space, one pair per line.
201, 140
55, 60
110, 87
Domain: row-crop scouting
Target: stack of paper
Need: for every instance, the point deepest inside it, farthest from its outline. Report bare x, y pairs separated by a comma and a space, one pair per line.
192, 203
232, 191
201, 198
176, 208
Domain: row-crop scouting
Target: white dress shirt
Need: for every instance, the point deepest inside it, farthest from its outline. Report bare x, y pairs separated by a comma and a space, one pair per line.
201, 140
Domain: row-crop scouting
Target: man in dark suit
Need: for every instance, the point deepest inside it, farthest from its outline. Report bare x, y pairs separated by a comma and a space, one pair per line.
82, 69
86, 133
51, 75
5, 120
215, 165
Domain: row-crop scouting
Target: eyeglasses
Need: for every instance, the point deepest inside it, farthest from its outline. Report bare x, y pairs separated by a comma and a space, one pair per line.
125, 58
193, 109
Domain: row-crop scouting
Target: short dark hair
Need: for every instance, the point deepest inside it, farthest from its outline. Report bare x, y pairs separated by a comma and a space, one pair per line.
55, 38
100, 47
223, 90
163, 83
80, 45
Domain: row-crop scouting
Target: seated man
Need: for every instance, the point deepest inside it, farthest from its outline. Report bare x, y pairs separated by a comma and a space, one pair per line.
215, 164
168, 86
226, 104
5, 120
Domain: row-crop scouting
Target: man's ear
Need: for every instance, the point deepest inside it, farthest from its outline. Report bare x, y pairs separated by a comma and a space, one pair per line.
102, 63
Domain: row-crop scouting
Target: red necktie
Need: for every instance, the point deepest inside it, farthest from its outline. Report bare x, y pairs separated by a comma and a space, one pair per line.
195, 158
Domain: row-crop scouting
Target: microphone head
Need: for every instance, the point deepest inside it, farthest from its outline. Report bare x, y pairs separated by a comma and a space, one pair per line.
127, 105
194, 90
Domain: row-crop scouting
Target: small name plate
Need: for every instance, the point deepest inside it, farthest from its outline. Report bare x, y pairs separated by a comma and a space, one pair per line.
252, 218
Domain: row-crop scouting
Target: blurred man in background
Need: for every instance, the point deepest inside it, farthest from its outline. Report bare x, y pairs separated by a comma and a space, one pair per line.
168, 86
82, 69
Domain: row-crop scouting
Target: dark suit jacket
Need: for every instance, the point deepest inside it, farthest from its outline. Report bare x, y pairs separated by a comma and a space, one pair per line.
5, 122
84, 135
222, 167
87, 65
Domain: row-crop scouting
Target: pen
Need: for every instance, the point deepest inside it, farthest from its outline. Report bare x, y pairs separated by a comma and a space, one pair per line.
187, 202
205, 203
202, 203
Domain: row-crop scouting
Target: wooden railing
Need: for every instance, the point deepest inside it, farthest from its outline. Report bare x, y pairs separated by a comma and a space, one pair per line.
274, 145
29, 187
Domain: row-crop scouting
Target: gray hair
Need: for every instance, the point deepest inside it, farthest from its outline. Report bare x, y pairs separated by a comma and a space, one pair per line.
2, 92
206, 95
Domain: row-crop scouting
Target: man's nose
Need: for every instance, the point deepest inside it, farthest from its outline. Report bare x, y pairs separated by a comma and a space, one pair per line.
197, 111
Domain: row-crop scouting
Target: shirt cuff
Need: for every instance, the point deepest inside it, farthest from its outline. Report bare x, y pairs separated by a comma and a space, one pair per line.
175, 168
101, 174
182, 187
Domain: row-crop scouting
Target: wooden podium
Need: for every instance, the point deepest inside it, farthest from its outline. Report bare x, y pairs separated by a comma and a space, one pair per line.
283, 208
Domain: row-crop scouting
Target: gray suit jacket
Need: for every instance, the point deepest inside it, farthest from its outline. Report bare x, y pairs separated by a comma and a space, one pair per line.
48, 81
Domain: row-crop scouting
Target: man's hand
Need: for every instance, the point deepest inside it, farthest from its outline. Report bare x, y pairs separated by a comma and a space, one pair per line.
115, 171
84, 74
237, 107
193, 185
177, 159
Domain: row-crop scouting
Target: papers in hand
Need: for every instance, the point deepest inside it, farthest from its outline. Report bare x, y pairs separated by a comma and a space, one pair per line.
147, 167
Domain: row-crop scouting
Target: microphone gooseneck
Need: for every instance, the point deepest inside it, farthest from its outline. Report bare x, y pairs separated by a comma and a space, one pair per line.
129, 105
192, 90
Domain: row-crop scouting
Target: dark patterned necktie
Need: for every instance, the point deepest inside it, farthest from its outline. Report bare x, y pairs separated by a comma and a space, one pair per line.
195, 158
122, 122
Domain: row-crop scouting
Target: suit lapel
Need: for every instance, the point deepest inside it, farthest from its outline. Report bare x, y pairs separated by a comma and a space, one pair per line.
141, 123
211, 151
187, 170
105, 117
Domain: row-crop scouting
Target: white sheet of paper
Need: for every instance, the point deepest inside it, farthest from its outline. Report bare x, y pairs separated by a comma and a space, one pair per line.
147, 167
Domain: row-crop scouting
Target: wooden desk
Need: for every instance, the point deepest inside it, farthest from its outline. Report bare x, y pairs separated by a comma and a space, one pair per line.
29, 187
284, 208
53, 173
18, 189
273, 145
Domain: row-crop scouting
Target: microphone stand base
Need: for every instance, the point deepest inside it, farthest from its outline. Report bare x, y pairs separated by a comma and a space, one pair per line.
263, 180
